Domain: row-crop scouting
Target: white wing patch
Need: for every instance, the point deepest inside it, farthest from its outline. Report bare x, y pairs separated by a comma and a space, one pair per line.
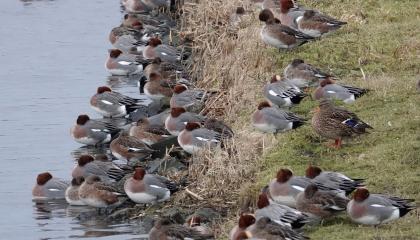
164, 54
124, 63
53, 189
106, 102
96, 130
299, 18
135, 149
299, 188
319, 75
207, 140
330, 92
272, 93
377, 205
155, 186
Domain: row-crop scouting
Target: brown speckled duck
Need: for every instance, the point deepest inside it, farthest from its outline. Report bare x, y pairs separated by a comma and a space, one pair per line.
336, 123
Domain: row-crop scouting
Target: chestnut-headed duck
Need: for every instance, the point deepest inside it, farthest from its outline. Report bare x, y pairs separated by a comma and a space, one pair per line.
304, 75
118, 64
126, 147
92, 132
166, 53
265, 228
106, 170
245, 220
156, 88
48, 187
282, 92
195, 138
330, 90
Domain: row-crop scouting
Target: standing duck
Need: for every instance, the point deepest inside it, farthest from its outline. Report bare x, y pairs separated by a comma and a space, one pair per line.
278, 35
279, 213
163, 229
274, 120
316, 24
282, 92
304, 75
330, 90
148, 188
333, 180
320, 204
336, 123
375, 209
130, 148
109, 103
48, 188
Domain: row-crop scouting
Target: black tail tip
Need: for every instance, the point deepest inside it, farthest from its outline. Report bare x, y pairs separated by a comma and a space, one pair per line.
297, 124
297, 99
404, 211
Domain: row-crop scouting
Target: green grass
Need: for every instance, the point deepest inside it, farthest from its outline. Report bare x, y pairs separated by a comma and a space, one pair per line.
383, 39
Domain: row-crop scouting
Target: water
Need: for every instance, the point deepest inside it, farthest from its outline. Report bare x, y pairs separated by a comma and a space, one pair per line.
52, 56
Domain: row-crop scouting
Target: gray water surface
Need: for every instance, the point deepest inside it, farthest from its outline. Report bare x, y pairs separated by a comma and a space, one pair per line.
52, 56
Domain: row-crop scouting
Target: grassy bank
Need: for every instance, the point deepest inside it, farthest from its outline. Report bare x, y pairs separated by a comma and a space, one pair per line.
379, 49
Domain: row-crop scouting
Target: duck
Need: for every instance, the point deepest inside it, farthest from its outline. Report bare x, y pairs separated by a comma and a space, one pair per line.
334, 180
160, 21
154, 4
92, 132
337, 123
288, 12
279, 213
282, 92
194, 138
330, 90
148, 188
165, 69
195, 222
72, 192
111, 104
375, 209
135, 6
245, 220
126, 147
285, 187
274, 120
107, 171
304, 75
166, 53
157, 89
96, 194
48, 187
132, 39
117, 64
164, 229
179, 117
147, 132
192, 100
320, 204
265, 228
316, 24
278, 35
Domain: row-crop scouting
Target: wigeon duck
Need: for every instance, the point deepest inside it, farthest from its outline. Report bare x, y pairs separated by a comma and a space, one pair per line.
117, 65
282, 93
333, 180
192, 100
72, 192
179, 117
195, 223
148, 133
95, 193
194, 138
159, 22
92, 132
105, 170
135, 6
278, 35
274, 120
148, 188
126, 147
279, 213
48, 188
336, 123
285, 187
288, 11
304, 75
264, 228
330, 90
109, 103
131, 39
245, 220
165, 69
164, 229
320, 204
157, 88
316, 24
375, 209
166, 53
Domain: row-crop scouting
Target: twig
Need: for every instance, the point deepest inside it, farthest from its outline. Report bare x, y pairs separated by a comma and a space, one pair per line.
194, 195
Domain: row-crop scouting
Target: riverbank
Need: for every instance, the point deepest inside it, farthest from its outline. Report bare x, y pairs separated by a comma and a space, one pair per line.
378, 49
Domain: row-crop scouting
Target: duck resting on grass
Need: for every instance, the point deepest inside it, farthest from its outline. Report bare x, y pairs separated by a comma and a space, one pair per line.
337, 123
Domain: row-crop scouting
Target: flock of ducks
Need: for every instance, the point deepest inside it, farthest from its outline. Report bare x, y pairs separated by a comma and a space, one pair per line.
172, 109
